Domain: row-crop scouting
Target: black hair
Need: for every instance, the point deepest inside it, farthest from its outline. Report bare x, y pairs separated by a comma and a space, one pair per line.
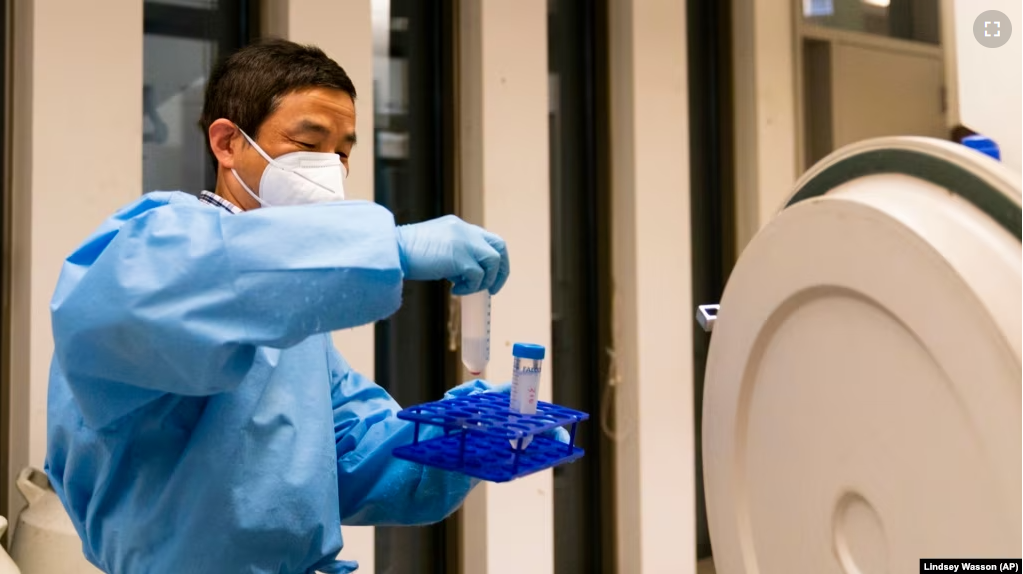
247, 87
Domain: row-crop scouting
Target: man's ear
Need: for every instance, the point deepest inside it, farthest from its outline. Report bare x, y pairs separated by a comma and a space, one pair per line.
223, 136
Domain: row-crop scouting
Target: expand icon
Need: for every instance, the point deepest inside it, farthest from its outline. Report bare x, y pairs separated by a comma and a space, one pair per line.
992, 29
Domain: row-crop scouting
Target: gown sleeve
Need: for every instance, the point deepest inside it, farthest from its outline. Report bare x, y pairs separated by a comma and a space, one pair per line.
173, 296
375, 488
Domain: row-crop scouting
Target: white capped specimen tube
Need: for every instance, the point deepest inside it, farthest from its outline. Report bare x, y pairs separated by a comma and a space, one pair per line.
527, 363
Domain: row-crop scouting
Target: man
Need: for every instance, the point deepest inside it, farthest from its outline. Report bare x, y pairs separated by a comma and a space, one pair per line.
200, 419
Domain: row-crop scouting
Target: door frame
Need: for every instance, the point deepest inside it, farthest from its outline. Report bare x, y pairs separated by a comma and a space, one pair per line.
5, 262
652, 314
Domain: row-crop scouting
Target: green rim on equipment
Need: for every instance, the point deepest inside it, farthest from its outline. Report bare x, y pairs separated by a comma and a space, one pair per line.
922, 166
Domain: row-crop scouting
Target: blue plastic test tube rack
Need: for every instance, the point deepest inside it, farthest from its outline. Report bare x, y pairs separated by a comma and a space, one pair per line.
478, 434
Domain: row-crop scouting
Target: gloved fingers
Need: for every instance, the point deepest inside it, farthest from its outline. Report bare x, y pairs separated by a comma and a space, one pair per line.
504, 267
502, 388
562, 435
469, 388
469, 281
489, 259
559, 434
499, 281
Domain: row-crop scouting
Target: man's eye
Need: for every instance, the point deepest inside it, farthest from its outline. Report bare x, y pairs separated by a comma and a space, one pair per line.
306, 145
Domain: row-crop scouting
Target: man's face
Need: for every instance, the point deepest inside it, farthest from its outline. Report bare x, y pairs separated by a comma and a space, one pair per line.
313, 119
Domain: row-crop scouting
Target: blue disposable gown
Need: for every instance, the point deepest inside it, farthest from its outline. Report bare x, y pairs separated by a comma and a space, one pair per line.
200, 419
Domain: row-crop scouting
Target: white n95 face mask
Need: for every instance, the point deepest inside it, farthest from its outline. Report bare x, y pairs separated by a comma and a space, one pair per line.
298, 178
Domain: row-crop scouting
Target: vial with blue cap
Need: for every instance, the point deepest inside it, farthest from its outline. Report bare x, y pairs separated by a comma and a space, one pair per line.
527, 363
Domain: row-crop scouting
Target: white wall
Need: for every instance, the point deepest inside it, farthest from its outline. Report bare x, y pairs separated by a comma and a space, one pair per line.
505, 186
766, 142
76, 157
990, 79
653, 313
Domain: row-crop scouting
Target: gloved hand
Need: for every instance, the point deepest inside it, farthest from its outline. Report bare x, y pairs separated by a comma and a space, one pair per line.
472, 258
477, 386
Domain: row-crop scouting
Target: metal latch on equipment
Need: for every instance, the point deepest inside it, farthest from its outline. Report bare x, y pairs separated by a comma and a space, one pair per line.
706, 316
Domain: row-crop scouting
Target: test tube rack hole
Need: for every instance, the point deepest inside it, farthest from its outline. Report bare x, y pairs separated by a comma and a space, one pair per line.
479, 432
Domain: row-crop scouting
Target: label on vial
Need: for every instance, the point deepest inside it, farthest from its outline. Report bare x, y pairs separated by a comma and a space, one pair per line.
524, 391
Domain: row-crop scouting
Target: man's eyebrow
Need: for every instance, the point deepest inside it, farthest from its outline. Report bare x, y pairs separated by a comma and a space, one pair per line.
309, 126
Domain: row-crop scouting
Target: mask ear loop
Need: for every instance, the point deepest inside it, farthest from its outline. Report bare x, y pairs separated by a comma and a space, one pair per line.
238, 177
253, 143
247, 190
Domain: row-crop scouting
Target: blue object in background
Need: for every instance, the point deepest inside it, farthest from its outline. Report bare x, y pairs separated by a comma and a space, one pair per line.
477, 431
984, 145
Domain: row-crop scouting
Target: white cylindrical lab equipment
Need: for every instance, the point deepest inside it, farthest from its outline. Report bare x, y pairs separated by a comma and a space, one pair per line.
476, 331
862, 400
7, 566
45, 540
527, 363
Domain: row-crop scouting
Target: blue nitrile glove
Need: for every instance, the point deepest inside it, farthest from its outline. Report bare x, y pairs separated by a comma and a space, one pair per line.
471, 388
472, 258
559, 434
